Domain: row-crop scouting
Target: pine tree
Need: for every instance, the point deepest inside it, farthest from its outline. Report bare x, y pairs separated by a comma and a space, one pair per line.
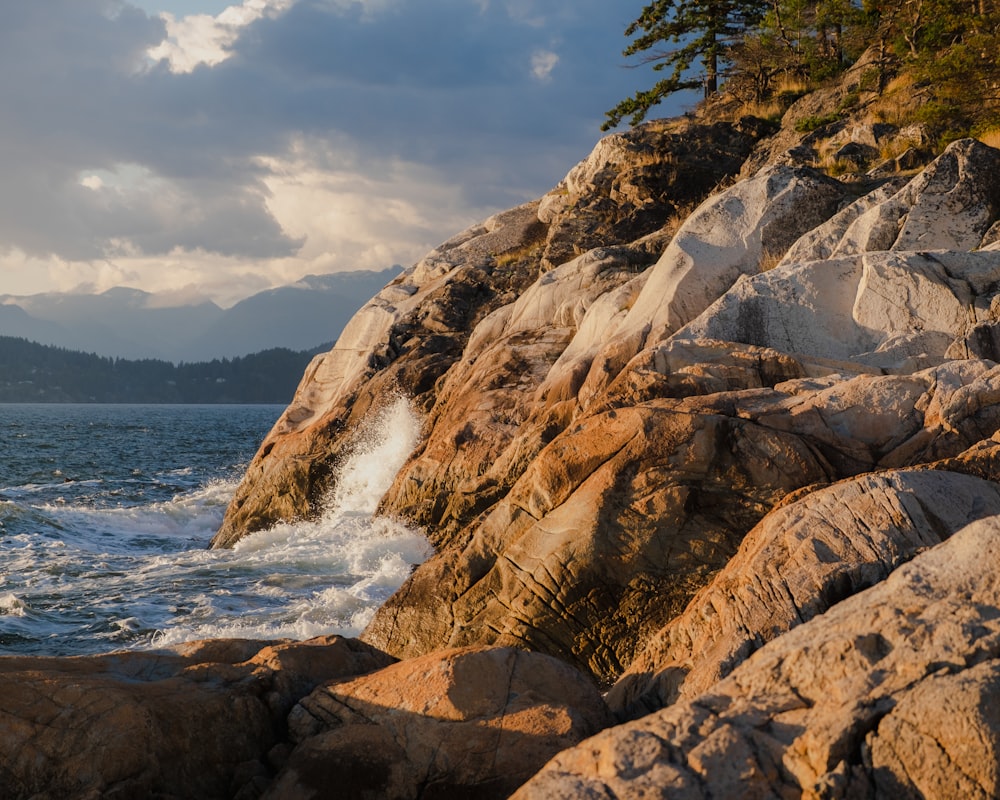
694, 30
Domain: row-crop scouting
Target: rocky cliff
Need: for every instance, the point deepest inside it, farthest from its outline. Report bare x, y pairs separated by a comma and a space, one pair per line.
705, 428
670, 419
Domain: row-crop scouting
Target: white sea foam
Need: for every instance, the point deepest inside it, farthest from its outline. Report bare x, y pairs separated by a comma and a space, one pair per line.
326, 575
11, 605
376, 457
107, 562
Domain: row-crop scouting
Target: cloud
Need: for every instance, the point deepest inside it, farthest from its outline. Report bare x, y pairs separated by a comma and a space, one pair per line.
198, 39
542, 64
281, 137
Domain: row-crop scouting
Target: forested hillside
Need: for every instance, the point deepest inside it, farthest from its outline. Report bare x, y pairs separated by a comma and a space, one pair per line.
35, 373
938, 55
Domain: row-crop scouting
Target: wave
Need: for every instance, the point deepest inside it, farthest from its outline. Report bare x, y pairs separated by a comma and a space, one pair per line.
327, 575
86, 570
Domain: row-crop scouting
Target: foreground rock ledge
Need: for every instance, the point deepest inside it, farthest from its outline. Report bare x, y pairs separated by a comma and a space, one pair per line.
462, 723
198, 721
247, 719
799, 561
892, 693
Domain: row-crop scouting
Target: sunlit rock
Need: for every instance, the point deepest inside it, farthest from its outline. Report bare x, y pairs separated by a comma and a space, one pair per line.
890, 693
458, 723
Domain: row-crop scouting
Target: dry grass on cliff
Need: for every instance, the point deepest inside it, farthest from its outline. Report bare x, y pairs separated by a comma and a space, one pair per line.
990, 137
529, 252
898, 103
769, 260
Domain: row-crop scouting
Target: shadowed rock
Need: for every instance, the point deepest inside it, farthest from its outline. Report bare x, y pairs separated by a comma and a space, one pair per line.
462, 723
197, 721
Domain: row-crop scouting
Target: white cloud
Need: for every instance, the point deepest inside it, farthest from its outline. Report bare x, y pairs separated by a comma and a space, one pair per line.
350, 213
199, 39
358, 215
340, 134
542, 64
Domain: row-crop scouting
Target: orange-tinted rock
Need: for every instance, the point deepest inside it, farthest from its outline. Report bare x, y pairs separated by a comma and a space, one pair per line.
891, 693
801, 559
415, 329
461, 723
619, 520
197, 721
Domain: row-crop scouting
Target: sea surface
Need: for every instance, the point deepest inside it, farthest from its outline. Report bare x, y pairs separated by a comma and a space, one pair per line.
106, 513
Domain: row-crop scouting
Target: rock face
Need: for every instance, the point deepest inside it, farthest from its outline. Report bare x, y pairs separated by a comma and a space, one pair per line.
601, 436
801, 560
890, 693
460, 723
404, 339
199, 721
671, 454
411, 333
613, 526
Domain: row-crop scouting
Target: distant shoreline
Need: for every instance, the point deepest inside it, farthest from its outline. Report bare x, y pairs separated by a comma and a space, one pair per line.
44, 374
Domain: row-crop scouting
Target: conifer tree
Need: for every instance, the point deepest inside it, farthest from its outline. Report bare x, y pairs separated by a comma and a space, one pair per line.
692, 30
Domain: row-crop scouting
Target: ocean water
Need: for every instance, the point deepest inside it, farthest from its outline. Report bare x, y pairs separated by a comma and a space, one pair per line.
106, 513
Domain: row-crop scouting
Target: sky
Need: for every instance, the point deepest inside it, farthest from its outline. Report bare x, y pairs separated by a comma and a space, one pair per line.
204, 148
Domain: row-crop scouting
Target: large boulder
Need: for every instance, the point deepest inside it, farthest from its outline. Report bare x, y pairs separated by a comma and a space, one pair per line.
801, 559
200, 720
462, 723
891, 693
895, 281
896, 311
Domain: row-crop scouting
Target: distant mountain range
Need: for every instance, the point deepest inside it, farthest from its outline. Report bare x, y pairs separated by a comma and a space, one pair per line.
133, 324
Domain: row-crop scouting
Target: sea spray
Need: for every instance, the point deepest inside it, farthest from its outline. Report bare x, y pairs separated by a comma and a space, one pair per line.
348, 559
375, 458
112, 553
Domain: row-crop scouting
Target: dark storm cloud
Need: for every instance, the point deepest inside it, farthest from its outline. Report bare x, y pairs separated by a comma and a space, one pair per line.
447, 84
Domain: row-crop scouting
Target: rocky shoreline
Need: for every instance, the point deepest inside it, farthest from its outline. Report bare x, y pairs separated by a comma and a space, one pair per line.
709, 463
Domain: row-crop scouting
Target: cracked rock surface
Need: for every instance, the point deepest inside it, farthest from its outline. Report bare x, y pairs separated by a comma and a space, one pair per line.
197, 721
461, 723
799, 561
891, 693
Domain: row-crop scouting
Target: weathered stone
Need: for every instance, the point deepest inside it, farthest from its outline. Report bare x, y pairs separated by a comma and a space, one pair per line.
734, 233
460, 723
402, 341
195, 722
798, 140
800, 560
731, 234
949, 206
890, 693
412, 332
479, 439
898, 311
623, 516
635, 182
603, 538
